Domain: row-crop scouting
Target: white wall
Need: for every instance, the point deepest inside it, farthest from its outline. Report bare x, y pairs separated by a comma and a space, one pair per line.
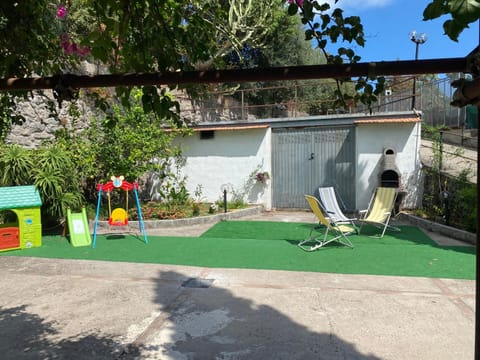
372, 139
231, 157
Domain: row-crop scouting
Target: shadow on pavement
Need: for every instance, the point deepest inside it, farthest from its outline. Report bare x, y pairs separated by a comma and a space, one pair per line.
199, 321
28, 336
209, 322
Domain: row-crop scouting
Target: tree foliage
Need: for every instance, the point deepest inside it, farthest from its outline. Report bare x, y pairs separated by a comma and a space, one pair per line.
157, 35
267, 98
51, 169
325, 26
129, 142
46, 38
461, 12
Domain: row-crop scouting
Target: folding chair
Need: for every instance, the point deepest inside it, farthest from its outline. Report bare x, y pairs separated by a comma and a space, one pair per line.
328, 200
380, 209
338, 231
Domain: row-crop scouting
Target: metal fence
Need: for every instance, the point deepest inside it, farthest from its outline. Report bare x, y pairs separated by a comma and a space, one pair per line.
292, 101
435, 98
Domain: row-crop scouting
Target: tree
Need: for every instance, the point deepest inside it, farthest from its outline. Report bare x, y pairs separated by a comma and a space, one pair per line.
51, 169
44, 38
328, 26
462, 13
285, 45
129, 142
324, 26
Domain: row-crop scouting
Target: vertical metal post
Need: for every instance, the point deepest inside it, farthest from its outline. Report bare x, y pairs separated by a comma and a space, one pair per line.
445, 103
477, 257
415, 78
462, 132
440, 155
243, 104
476, 354
417, 40
225, 200
296, 100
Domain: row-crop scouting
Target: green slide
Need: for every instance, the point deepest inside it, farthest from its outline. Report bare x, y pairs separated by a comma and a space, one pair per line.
78, 228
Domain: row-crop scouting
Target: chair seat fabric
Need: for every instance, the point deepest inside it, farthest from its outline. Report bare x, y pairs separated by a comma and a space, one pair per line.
380, 209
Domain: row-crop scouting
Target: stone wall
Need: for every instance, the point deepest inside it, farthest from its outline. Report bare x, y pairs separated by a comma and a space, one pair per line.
43, 117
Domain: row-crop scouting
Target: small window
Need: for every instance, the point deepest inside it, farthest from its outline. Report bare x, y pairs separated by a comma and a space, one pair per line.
207, 134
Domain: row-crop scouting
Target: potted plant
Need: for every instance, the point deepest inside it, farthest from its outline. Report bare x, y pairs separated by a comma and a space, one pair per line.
262, 176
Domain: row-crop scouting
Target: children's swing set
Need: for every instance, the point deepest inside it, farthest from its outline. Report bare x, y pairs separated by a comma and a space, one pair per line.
118, 217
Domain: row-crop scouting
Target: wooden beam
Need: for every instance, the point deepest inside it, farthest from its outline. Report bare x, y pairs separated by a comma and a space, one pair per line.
340, 71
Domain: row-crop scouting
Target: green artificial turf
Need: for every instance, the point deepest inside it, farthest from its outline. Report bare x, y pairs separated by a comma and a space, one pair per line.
273, 245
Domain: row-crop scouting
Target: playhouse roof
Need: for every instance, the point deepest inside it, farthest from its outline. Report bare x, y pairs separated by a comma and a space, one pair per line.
16, 197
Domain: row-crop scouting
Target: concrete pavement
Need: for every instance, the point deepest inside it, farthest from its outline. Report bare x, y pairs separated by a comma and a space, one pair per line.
64, 309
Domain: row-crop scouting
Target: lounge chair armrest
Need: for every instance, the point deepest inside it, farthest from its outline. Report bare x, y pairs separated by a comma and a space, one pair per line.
362, 214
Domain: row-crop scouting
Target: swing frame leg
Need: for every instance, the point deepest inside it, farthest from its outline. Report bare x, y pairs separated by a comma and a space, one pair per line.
94, 243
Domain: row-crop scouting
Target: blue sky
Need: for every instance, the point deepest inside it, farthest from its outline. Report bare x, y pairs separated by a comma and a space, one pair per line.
387, 24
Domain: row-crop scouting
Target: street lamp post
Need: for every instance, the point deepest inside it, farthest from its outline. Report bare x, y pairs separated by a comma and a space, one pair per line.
418, 40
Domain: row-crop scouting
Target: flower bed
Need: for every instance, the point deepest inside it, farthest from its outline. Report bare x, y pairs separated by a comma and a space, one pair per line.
161, 211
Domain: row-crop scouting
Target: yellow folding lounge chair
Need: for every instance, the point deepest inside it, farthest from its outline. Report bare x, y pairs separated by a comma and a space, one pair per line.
380, 209
338, 231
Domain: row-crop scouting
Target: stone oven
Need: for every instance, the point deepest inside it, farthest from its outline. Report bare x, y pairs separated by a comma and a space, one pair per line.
389, 176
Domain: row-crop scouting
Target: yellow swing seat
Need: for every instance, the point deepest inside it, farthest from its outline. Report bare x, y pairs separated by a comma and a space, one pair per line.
119, 217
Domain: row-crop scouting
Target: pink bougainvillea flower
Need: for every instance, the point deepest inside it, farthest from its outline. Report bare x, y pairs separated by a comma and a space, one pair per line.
72, 48
64, 37
65, 43
61, 11
68, 48
83, 51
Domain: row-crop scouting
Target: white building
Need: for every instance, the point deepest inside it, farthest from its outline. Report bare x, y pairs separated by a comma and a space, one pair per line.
355, 153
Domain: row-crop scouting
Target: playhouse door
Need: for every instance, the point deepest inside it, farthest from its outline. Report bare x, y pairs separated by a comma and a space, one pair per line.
9, 238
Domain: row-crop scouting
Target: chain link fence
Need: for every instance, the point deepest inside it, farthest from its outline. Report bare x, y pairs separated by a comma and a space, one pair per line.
311, 98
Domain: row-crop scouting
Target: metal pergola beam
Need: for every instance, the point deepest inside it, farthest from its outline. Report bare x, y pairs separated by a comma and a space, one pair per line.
335, 71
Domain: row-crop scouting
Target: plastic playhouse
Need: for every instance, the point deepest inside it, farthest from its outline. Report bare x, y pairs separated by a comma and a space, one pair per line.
26, 230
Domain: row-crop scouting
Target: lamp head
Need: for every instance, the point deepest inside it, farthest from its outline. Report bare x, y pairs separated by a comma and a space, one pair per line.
417, 38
